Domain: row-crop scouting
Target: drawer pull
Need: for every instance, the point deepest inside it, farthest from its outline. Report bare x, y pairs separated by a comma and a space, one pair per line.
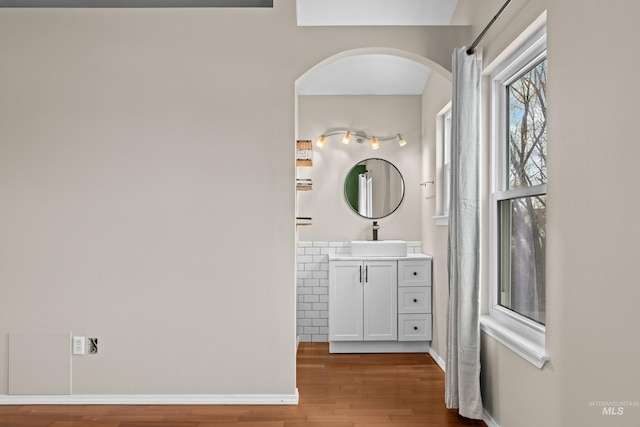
415, 328
415, 273
415, 300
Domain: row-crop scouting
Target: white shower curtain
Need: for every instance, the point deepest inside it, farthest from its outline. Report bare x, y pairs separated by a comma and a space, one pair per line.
365, 195
462, 387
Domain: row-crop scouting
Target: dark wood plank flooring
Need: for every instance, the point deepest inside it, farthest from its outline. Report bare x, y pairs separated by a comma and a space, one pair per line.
338, 390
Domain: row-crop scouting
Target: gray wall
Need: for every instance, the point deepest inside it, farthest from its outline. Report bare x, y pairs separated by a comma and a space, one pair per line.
593, 199
593, 217
147, 184
437, 94
333, 219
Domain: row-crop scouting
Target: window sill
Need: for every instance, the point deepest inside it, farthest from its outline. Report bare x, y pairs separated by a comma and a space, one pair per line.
441, 220
523, 346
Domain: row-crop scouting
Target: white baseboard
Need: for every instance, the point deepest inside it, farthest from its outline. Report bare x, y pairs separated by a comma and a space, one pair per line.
439, 360
487, 418
179, 399
378, 346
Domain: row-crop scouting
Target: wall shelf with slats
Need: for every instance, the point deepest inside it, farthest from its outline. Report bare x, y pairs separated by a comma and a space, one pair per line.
304, 158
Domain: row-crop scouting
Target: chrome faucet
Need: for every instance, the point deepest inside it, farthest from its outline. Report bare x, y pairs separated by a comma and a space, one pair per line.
376, 227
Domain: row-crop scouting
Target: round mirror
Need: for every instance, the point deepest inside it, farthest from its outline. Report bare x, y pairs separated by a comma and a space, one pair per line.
374, 188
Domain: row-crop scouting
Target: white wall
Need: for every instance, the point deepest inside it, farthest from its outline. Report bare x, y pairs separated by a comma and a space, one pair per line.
333, 219
147, 184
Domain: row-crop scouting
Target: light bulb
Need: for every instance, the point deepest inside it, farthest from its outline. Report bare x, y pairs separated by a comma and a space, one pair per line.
320, 141
401, 141
346, 138
374, 143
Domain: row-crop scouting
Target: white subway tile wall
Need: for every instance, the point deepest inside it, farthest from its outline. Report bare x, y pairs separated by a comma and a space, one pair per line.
313, 286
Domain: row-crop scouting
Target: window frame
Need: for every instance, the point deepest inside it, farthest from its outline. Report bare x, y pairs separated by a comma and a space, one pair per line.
446, 162
524, 336
443, 152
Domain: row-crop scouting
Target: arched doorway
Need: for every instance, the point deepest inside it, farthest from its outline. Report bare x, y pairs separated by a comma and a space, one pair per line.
407, 65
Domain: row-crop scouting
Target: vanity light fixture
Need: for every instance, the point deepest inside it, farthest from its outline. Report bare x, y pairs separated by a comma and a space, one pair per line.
359, 136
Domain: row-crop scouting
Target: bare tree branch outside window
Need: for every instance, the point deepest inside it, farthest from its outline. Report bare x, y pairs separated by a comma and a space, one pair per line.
523, 219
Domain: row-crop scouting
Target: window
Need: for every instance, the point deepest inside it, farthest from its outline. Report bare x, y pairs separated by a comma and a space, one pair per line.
446, 169
443, 155
518, 200
521, 258
521, 203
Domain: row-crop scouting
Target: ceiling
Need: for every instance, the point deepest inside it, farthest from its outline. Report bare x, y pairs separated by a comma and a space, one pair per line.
374, 12
370, 74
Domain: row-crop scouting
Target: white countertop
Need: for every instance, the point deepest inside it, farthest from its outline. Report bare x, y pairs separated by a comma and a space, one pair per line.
348, 257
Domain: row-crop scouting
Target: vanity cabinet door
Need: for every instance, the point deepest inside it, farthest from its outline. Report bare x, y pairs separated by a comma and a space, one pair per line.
346, 293
381, 301
363, 301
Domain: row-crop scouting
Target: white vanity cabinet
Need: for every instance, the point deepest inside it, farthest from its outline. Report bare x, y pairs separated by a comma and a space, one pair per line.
379, 304
363, 305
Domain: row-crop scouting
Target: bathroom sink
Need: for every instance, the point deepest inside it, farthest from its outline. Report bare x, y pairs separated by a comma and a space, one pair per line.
378, 248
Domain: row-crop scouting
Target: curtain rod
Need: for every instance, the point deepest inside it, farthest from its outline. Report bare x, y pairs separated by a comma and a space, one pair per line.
472, 48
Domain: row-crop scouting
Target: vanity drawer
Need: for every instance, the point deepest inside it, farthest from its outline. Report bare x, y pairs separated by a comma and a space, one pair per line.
414, 273
414, 299
414, 327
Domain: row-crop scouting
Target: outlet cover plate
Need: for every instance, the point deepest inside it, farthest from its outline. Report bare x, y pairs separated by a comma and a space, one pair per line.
78, 345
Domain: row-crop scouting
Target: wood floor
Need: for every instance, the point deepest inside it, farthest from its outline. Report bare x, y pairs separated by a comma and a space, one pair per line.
338, 390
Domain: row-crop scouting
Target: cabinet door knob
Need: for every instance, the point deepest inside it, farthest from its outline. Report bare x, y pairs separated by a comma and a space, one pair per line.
415, 273
415, 328
415, 300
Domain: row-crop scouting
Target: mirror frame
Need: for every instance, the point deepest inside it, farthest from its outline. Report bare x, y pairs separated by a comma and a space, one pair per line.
344, 188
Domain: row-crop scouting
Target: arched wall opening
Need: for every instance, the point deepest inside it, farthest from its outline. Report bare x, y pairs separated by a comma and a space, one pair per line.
433, 65
333, 222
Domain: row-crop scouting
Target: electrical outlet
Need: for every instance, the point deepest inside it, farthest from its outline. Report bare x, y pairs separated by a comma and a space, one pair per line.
93, 346
78, 345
